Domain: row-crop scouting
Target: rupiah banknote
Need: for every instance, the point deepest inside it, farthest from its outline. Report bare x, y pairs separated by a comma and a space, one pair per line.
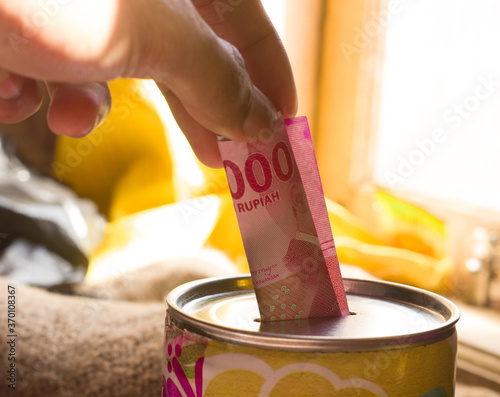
283, 220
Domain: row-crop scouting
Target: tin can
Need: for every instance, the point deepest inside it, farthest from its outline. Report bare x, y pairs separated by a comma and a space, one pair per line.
397, 341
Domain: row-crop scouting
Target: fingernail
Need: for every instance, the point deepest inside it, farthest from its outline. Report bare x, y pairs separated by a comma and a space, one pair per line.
261, 121
103, 113
101, 96
11, 85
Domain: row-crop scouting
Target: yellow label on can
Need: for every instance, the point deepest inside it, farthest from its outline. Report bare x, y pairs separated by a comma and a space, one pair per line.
195, 366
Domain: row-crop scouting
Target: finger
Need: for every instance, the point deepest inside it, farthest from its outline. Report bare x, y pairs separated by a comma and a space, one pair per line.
76, 109
202, 141
246, 25
215, 89
19, 97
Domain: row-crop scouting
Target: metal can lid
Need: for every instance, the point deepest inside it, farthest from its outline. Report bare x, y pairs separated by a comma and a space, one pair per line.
383, 315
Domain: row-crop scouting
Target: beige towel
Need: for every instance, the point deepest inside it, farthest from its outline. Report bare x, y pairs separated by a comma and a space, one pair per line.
75, 346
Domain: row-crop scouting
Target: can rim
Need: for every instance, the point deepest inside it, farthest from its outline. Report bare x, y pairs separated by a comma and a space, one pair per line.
386, 290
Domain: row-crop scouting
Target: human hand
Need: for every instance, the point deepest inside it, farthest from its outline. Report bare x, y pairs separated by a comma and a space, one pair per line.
216, 67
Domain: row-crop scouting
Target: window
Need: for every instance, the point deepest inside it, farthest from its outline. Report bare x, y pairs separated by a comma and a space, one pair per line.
439, 120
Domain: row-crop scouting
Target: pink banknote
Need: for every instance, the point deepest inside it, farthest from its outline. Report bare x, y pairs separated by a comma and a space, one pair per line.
281, 211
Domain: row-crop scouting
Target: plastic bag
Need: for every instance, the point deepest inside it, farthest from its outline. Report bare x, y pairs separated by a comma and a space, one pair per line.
43, 226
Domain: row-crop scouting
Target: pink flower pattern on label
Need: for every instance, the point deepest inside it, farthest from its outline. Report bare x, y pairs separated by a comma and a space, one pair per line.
183, 356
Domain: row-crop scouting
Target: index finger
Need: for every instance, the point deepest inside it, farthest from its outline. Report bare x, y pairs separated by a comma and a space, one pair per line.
245, 24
